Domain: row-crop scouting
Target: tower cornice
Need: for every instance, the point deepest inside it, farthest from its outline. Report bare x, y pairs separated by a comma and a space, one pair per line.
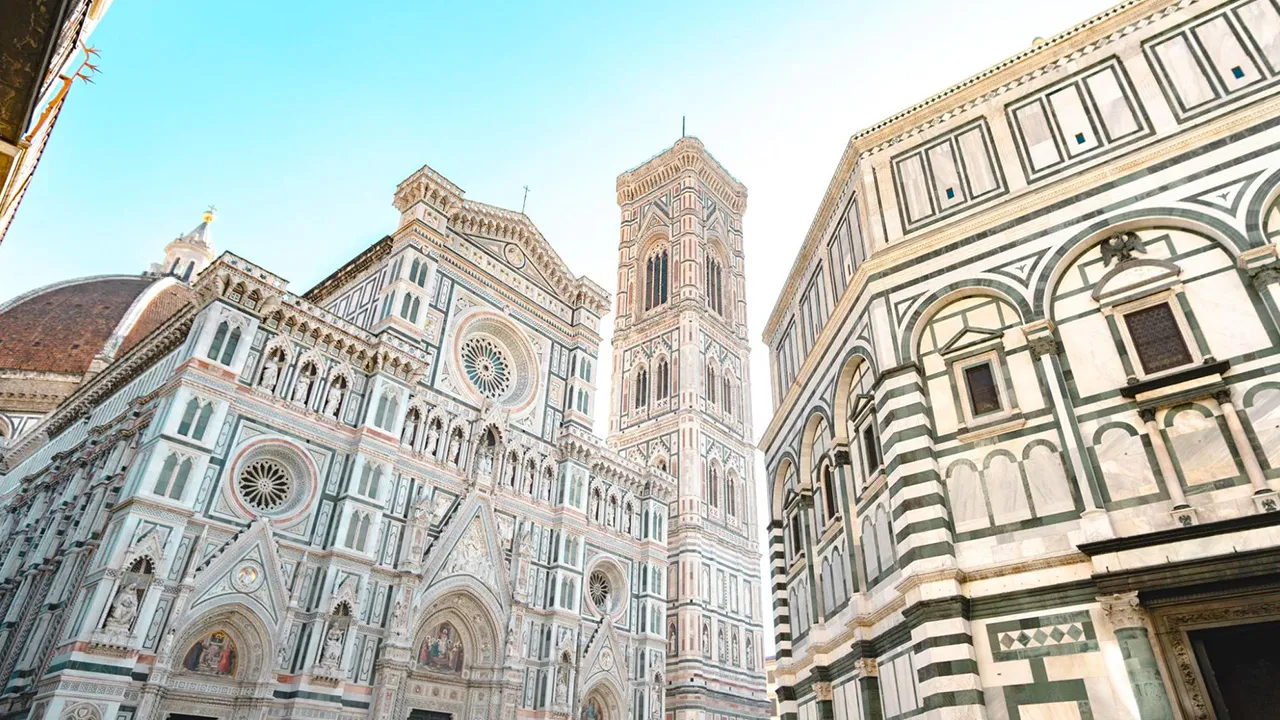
687, 154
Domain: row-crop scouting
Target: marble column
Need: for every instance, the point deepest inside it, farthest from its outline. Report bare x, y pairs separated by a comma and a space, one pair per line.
1128, 619
869, 689
1248, 458
1164, 459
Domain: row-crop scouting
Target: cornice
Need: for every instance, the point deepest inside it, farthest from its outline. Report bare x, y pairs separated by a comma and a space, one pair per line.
687, 154
1035, 197
1083, 39
345, 275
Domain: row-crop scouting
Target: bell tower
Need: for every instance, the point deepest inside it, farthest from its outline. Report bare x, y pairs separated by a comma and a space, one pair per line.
681, 402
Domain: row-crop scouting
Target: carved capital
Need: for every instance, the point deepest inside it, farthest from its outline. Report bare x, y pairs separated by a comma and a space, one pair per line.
1223, 397
1124, 610
867, 667
1147, 414
823, 691
1043, 345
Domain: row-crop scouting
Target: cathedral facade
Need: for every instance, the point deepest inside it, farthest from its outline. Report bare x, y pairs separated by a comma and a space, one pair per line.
681, 404
379, 498
1024, 457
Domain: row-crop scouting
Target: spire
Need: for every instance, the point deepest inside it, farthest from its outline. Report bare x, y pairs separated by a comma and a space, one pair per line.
186, 255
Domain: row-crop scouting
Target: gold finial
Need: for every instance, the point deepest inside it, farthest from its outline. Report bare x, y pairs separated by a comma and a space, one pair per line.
210, 213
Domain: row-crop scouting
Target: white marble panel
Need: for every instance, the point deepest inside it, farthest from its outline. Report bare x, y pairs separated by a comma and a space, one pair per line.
1201, 450
943, 405
1189, 82
1050, 491
1004, 486
1026, 385
1050, 711
1124, 465
1224, 296
1264, 415
1095, 362
968, 508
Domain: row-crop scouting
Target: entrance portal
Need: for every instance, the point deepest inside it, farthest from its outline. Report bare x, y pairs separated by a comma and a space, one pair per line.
1240, 667
428, 715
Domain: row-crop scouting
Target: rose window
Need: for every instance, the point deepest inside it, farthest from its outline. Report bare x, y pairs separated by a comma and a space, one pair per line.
601, 590
265, 485
486, 367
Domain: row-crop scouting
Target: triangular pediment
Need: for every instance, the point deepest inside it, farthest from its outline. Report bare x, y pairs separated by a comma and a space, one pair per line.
969, 337
1225, 197
246, 571
470, 549
605, 659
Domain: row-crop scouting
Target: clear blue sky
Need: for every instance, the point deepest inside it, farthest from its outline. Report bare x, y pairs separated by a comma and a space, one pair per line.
298, 120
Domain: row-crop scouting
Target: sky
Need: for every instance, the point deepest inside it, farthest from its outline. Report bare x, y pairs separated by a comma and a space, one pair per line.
297, 120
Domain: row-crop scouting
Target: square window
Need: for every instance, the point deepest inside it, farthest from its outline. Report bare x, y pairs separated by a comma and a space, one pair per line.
951, 194
1079, 138
1237, 72
980, 381
1157, 338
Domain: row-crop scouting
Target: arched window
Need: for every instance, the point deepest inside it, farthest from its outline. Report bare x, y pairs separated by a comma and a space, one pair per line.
413, 271
663, 377
191, 267
188, 417
726, 395
413, 311
642, 388
656, 279
173, 477
202, 422
713, 487
828, 490
225, 341
730, 497
714, 285
219, 338
711, 385
404, 306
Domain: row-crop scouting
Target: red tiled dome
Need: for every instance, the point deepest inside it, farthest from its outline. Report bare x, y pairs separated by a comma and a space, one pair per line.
61, 328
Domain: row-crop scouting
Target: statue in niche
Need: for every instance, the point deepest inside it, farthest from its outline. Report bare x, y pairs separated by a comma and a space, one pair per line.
124, 608
626, 519
455, 447
433, 438
562, 686
270, 375
611, 516
331, 655
484, 460
594, 511
333, 400
512, 468
302, 388
529, 472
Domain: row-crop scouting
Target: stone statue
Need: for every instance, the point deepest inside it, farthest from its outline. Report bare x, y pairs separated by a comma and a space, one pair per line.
594, 511
455, 447
626, 520
124, 608
301, 388
433, 439
333, 401
331, 655
562, 686
484, 461
270, 374
529, 472
397, 615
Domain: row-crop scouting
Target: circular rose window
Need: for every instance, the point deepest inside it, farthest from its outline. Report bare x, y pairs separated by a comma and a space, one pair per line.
601, 591
492, 360
487, 367
265, 485
272, 478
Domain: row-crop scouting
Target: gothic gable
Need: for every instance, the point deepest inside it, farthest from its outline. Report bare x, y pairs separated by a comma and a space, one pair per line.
246, 570
470, 550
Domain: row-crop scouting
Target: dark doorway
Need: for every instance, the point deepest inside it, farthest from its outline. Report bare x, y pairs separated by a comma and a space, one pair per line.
416, 714
1241, 667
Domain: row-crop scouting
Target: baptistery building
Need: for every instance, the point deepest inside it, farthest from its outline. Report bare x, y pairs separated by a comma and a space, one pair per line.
379, 498
1024, 453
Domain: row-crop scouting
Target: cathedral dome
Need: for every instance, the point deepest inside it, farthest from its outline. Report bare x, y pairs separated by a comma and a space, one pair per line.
61, 328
